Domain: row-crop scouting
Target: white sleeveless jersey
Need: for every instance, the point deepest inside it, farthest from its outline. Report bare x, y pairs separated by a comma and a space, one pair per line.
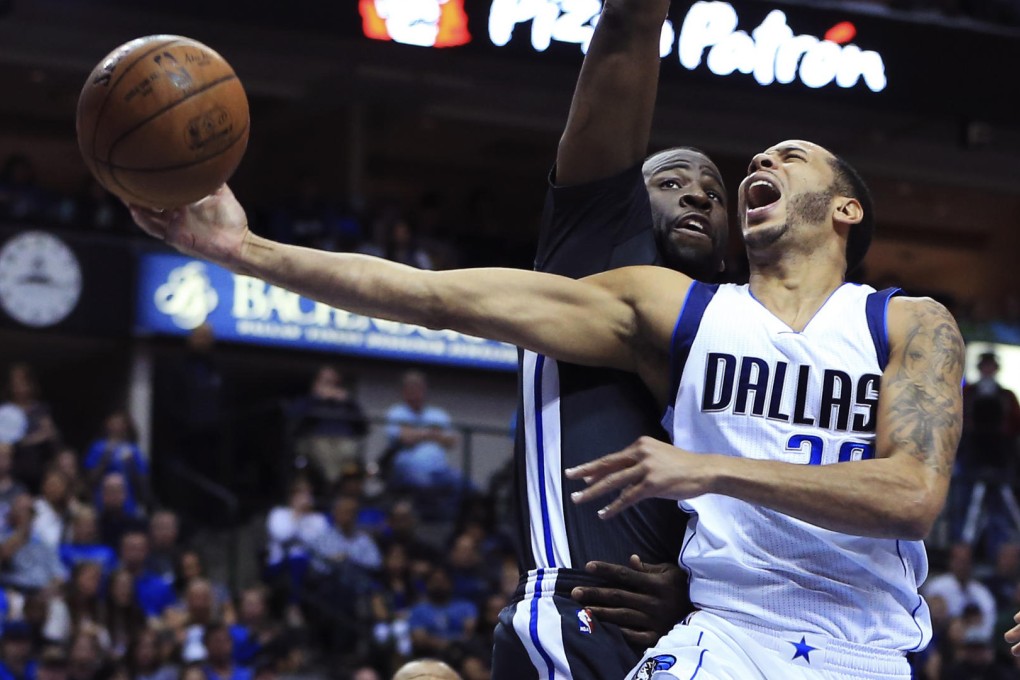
747, 385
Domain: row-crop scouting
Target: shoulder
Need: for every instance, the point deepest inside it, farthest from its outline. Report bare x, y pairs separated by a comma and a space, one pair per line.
921, 319
907, 313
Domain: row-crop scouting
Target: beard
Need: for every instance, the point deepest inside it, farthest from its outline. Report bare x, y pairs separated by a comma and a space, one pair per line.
696, 261
809, 208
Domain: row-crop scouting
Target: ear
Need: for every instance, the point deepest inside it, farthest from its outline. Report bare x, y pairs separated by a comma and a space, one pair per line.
848, 211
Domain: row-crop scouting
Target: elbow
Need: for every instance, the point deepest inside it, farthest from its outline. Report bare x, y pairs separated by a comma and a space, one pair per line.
918, 515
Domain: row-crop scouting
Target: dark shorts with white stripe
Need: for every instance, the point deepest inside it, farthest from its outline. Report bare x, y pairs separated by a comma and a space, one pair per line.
552, 638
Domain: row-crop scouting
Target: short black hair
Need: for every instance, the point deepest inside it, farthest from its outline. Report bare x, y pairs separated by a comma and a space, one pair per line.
848, 182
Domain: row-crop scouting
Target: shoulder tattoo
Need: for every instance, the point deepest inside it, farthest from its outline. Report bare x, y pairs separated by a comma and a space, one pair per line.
926, 402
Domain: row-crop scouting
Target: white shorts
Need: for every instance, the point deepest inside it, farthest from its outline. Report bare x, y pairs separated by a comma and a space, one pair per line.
706, 647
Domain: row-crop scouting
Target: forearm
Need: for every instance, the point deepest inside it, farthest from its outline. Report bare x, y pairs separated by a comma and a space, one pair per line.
569, 320
357, 283
880, 498
611, 113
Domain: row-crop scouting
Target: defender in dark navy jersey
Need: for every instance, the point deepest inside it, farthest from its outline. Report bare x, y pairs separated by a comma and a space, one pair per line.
607, 207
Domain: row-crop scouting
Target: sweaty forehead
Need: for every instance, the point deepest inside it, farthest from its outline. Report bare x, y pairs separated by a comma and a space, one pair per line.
684, 159
810, 148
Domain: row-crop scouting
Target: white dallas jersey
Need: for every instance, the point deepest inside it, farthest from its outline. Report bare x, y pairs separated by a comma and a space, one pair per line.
747, 385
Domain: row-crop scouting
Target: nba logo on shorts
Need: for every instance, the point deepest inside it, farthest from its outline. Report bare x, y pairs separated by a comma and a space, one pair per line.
662, 662
586, 623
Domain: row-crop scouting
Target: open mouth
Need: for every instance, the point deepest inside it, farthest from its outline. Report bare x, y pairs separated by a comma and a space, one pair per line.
694, 223
761, 195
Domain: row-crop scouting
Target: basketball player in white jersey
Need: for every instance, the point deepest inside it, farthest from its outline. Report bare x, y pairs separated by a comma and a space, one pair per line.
827, 414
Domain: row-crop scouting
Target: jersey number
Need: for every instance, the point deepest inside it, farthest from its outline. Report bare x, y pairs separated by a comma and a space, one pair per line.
847, 451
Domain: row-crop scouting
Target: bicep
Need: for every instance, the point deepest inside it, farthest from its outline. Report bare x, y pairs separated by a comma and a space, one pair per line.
921, 403
589, 321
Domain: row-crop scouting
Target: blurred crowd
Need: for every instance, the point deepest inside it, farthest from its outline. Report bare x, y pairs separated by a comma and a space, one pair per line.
360, 568
366, 562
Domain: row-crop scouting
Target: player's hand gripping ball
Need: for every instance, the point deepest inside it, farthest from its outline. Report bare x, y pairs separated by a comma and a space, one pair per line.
162, 121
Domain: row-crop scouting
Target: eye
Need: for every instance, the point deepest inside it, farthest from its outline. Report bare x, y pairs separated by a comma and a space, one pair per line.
716, 196
669, 183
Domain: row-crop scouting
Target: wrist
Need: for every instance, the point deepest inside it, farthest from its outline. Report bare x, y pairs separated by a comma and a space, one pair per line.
719, 474
247, 258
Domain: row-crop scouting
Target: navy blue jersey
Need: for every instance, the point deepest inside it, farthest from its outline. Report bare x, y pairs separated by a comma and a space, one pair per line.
573, 414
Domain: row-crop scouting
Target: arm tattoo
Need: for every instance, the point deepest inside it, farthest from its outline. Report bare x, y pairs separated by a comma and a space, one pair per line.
926, 402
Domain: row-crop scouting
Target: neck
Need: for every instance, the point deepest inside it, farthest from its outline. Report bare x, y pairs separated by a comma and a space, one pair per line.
795, 285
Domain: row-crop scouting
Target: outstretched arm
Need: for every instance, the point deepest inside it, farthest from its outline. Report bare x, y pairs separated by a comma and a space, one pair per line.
610, 117
593, 321
899, 494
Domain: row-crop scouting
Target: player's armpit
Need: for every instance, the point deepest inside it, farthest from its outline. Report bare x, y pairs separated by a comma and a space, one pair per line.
920, 409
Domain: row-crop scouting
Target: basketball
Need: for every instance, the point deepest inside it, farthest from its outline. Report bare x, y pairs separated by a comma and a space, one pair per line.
162, 121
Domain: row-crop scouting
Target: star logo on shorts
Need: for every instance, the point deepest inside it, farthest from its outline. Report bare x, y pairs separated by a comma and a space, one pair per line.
803, 649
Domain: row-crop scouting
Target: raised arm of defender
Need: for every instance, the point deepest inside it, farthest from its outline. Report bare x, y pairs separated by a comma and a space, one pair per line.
610, 117
604, 320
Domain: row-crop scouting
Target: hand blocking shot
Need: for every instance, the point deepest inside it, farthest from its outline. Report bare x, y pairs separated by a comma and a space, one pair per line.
813, 422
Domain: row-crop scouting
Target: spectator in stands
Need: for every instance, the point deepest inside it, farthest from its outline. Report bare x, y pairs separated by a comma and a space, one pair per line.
17, 662
343, 544
52, 508
440, 619
190, 568
189, 622
1003, 580
399, 244
117, 451
220, 660
152, 593
52, 664
114, 518
192, 671
123, 612
974, 657
291, 529
83, 545
84, 596
144, 659
402, 528
467, 571
21, 197
426, 669
164, 548
255, 628
421, 434
391, 602
33, 451
959, 589
328, 424
192, 402
29, 563
66, 461
988, 453
85, 658
9, 486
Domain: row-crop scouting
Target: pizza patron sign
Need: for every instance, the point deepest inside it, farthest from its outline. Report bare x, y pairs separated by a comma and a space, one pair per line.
711, 36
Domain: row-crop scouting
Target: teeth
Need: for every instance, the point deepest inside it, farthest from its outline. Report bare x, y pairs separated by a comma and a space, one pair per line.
762, 183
